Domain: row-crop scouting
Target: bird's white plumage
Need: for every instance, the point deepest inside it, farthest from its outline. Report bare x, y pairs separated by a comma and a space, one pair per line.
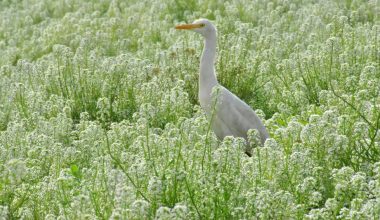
233, 117
230, 116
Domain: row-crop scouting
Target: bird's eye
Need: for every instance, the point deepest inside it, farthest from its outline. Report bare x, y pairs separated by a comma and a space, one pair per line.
202, 25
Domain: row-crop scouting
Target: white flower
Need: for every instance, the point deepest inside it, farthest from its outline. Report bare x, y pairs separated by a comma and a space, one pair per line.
331, 204
4, 212
140, 208
16, 170
163, 213
315, 198
155, 185
180, 211
253, 136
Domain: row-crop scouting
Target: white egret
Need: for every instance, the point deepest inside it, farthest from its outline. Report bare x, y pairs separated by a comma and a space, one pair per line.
231, 116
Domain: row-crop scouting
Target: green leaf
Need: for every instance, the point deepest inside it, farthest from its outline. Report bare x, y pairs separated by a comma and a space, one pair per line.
75, 171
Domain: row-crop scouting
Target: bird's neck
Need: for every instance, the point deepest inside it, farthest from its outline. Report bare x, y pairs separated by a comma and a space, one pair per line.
207, 78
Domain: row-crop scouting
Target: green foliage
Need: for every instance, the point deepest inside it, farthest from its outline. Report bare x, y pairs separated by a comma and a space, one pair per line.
99, 112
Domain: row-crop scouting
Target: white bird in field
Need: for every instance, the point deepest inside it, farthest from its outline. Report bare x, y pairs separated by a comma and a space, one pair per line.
231, 116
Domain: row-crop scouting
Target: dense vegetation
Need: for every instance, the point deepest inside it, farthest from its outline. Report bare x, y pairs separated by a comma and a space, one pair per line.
99, 116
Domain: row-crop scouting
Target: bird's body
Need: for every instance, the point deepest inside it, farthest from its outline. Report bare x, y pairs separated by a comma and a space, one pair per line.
229, 115
233, 117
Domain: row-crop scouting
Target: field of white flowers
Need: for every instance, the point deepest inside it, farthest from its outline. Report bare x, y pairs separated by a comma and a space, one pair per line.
99, 114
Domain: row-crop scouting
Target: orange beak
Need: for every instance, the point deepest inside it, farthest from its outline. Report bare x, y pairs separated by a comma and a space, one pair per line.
187, 26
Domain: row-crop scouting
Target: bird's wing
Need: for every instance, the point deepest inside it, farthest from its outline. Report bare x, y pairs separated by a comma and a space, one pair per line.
238, 116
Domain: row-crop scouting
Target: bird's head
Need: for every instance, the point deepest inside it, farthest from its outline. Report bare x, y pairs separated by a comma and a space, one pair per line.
201, 26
